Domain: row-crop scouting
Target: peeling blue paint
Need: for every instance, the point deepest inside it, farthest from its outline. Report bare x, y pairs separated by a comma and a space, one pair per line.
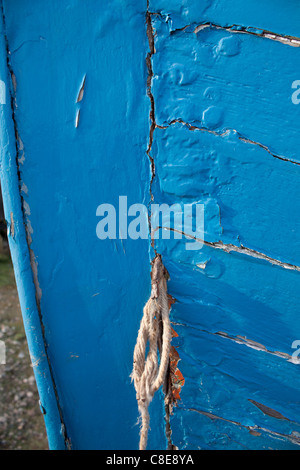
228, 137
68, 172
207, 118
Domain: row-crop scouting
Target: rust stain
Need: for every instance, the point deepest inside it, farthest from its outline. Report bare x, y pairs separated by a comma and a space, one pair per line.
254, 433
176, 379
171, 301
174, 334
173, 383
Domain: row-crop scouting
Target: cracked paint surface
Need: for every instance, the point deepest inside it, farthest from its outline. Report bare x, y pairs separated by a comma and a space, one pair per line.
227, 136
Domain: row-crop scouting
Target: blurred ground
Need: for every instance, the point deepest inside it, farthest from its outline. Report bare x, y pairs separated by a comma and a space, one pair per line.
21, 422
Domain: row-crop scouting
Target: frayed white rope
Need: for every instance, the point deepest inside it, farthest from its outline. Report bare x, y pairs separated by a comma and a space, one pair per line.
155, 328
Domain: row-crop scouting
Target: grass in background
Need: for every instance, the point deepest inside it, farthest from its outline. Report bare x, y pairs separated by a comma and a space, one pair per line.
21, 422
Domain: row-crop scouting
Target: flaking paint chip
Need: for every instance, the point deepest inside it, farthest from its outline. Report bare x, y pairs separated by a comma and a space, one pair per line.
81, 91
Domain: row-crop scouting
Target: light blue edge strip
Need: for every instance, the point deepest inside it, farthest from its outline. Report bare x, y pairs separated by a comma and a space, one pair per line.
21, 262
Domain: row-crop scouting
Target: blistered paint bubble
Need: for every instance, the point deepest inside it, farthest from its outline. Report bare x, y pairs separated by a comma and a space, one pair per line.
213, 268
212, 117
179, 75
212, 93
205, 56
229, 46
176, 75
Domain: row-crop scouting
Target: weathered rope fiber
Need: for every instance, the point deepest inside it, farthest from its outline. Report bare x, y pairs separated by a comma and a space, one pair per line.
155, 328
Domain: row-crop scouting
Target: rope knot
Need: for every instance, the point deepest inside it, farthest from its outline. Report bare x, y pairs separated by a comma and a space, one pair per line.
155, 329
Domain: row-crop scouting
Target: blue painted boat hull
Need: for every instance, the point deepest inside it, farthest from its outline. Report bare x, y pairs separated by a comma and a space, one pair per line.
165, 104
